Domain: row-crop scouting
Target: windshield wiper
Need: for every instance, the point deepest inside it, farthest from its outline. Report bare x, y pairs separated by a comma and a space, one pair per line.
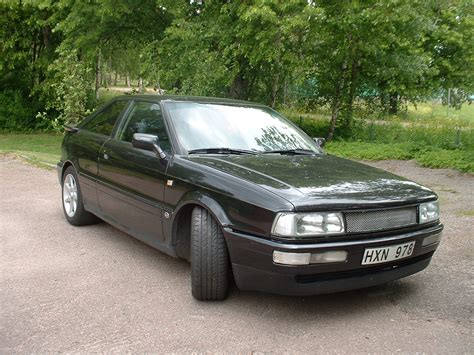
291, 152
221, 151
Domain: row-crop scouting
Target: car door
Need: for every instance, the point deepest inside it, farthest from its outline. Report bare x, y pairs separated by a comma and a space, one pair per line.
85, 145
131, 180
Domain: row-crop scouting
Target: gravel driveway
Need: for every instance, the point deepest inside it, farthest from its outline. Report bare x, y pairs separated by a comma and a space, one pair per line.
66, 288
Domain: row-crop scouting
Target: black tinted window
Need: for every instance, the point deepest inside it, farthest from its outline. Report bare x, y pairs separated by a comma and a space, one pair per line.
104, 122
146, 117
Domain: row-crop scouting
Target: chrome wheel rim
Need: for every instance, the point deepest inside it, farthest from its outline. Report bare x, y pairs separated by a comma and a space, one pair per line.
70, 195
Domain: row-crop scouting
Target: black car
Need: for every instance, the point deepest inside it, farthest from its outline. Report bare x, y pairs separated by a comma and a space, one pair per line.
237, 189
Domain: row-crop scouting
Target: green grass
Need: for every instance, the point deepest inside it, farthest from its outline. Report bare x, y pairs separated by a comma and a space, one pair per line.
437, 113
427, 113
40, 149
427, 156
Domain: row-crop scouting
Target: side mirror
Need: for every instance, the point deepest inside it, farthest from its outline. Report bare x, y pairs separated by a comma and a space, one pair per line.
70, 128
321, 142
148, 142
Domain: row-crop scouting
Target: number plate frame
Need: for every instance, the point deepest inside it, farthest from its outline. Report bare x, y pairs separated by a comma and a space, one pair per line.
387, 253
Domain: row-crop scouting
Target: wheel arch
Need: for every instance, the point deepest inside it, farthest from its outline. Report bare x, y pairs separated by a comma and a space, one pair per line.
66, 165
181, 221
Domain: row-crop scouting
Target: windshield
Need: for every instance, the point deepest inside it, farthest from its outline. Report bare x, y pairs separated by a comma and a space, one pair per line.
259, 129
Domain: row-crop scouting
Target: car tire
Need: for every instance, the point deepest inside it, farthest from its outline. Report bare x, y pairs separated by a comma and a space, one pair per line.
73, 206
209, 257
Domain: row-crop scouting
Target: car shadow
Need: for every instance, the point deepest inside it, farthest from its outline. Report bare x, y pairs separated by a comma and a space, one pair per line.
336, 305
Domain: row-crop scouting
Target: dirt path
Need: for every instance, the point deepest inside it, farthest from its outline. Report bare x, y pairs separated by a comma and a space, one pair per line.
96, 289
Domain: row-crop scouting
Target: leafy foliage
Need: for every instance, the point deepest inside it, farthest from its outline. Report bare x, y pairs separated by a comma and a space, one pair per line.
26, 48
377, 56
74, 94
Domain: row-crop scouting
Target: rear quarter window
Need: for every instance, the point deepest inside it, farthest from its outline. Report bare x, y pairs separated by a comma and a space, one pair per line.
104, 122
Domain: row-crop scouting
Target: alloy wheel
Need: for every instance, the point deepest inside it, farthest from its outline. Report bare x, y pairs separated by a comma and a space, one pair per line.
70, 195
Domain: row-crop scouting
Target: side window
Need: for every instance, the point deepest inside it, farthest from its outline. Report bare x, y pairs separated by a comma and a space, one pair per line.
104, 122
146, 117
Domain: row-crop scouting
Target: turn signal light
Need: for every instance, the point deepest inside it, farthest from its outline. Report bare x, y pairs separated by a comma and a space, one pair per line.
332, 256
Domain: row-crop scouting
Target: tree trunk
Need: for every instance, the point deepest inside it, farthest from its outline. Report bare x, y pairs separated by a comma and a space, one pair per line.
141, 88
336, 104
46, 31
97, 76
352, 89
275, 89
239, 88
383, 103
127, 80
115, 79
393, 103
34, 56
241, 84
277, 68
334, 115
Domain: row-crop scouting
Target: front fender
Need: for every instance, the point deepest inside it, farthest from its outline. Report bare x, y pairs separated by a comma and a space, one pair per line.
205, 201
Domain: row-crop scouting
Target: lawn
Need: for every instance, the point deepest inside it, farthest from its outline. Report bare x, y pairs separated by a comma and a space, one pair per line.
41, 149
430, 113
435, 112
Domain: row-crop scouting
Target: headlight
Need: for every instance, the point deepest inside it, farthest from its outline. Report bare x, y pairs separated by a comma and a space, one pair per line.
307, 224
429, 212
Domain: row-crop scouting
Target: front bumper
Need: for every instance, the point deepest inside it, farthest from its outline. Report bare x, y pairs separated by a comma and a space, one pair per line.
254, 269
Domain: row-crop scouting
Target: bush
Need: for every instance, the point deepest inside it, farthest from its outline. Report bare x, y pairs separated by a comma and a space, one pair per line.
441, 158
16, 112
312, 127
372, 151
75, 96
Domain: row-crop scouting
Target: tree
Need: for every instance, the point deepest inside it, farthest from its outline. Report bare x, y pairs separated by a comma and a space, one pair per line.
245, 51
362, 47
27, 46
451, 46
344, 55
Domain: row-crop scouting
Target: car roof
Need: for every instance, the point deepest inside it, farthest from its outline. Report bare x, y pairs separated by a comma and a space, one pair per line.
198, 99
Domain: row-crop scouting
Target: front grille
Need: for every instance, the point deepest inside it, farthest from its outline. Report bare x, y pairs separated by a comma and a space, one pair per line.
379, 220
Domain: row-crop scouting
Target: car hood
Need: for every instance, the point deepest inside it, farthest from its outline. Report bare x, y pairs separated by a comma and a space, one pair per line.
320, 181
